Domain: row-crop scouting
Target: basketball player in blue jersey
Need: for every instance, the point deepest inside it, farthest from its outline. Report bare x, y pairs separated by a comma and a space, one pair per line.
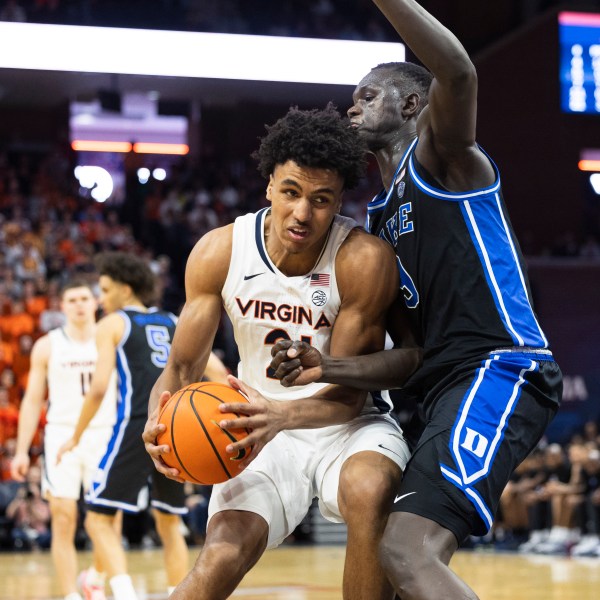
488, 383
134, 340
295, 269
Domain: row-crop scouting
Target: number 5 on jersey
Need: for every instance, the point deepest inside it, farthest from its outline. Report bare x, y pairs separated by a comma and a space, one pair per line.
160, 343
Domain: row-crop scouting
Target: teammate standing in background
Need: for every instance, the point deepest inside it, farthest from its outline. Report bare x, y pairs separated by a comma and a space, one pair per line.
293, 269
135, 340
488, 384
62, 362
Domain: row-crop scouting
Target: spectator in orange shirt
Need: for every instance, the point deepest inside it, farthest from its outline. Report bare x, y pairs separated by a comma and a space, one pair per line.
9, 417
35, 302
19, 322
7, 453
9, 381
6, 353
22, 360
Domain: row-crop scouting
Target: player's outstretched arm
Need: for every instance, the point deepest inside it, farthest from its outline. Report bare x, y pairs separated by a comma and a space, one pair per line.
31, 407
197, 325
295, 363
447, 125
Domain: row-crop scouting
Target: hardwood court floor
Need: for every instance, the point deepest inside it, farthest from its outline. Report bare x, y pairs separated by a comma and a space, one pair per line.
314, 573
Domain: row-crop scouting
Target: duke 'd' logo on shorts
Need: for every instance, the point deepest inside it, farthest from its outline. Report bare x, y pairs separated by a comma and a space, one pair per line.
319, 298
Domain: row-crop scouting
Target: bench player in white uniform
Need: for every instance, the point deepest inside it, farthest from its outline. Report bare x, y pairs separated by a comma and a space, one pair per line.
295, 269
62, 362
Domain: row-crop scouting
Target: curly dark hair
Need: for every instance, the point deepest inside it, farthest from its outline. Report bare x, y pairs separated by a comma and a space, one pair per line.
130, 270
313, 138
410, 77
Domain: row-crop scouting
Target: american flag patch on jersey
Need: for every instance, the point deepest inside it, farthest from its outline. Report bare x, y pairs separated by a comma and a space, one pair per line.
320, 279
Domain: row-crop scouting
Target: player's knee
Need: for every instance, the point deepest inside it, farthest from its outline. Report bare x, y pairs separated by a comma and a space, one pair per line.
365, 491
62, 523
166, 524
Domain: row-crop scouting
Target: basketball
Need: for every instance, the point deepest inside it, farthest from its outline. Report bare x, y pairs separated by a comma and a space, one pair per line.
197, 443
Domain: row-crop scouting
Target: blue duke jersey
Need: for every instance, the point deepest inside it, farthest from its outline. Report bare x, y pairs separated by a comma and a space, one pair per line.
141, 356
462, 273
265, 305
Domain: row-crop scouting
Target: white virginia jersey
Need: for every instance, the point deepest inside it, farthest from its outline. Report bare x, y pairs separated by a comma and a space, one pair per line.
70, 370
265, 305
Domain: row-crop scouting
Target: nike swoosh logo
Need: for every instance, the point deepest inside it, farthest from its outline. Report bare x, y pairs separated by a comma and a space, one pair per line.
398, 498
246, 277
389, 450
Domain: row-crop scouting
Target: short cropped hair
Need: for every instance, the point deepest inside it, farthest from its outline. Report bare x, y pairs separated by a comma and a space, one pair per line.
313, 138
71, 284
130, 270
409, 78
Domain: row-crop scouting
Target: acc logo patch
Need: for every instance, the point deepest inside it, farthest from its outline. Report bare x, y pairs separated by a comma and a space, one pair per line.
401, 184
319, 298
400, 189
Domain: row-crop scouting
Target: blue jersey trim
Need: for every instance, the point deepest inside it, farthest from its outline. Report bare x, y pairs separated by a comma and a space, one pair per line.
124, 392
382, 198
484, 413
493, 242
472, 495
453, 196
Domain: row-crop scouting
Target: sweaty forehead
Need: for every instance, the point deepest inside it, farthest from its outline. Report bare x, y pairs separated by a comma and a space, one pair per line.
378, 79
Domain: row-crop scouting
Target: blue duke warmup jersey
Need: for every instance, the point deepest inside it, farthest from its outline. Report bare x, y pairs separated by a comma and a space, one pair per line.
462, 273
141, 357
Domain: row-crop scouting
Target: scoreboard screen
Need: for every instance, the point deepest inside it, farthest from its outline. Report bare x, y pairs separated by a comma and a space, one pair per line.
579, 40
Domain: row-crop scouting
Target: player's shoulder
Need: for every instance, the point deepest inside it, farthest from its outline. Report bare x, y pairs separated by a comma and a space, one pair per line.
41, 348
218, 238
112, 325
361, 246
209, 260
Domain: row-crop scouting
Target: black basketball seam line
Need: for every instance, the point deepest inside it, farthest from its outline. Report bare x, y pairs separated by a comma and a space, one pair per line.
206, 431
233, 439
173, 440
201, 385
223, 402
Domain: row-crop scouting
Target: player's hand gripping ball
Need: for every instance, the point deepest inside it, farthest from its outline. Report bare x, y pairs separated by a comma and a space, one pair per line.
197, 443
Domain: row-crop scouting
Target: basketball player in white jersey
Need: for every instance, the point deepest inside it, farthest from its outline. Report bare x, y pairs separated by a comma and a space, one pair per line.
62, 362
296, 269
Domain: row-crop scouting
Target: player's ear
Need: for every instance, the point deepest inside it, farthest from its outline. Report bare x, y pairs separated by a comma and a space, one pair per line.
411, 104
270, 188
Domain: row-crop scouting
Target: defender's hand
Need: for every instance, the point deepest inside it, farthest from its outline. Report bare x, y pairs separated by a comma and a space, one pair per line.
296, 363
151, 431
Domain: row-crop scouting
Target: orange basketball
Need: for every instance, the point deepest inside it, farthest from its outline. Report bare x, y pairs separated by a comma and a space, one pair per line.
197, 443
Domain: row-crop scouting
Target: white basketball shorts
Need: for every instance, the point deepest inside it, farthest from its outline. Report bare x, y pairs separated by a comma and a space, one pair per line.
77, 468
297, 466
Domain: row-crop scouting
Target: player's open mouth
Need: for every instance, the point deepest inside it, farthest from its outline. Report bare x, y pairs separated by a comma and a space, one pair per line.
298, 234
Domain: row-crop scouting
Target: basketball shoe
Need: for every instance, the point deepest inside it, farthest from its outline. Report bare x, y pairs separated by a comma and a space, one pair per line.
91, 585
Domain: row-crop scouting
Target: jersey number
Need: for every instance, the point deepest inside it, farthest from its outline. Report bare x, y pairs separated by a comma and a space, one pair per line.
86, 382
273, 337
407, 285
160, 343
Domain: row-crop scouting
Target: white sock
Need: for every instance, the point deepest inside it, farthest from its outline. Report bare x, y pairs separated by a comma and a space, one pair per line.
171, 589
122, 587
96, 577
73, 596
